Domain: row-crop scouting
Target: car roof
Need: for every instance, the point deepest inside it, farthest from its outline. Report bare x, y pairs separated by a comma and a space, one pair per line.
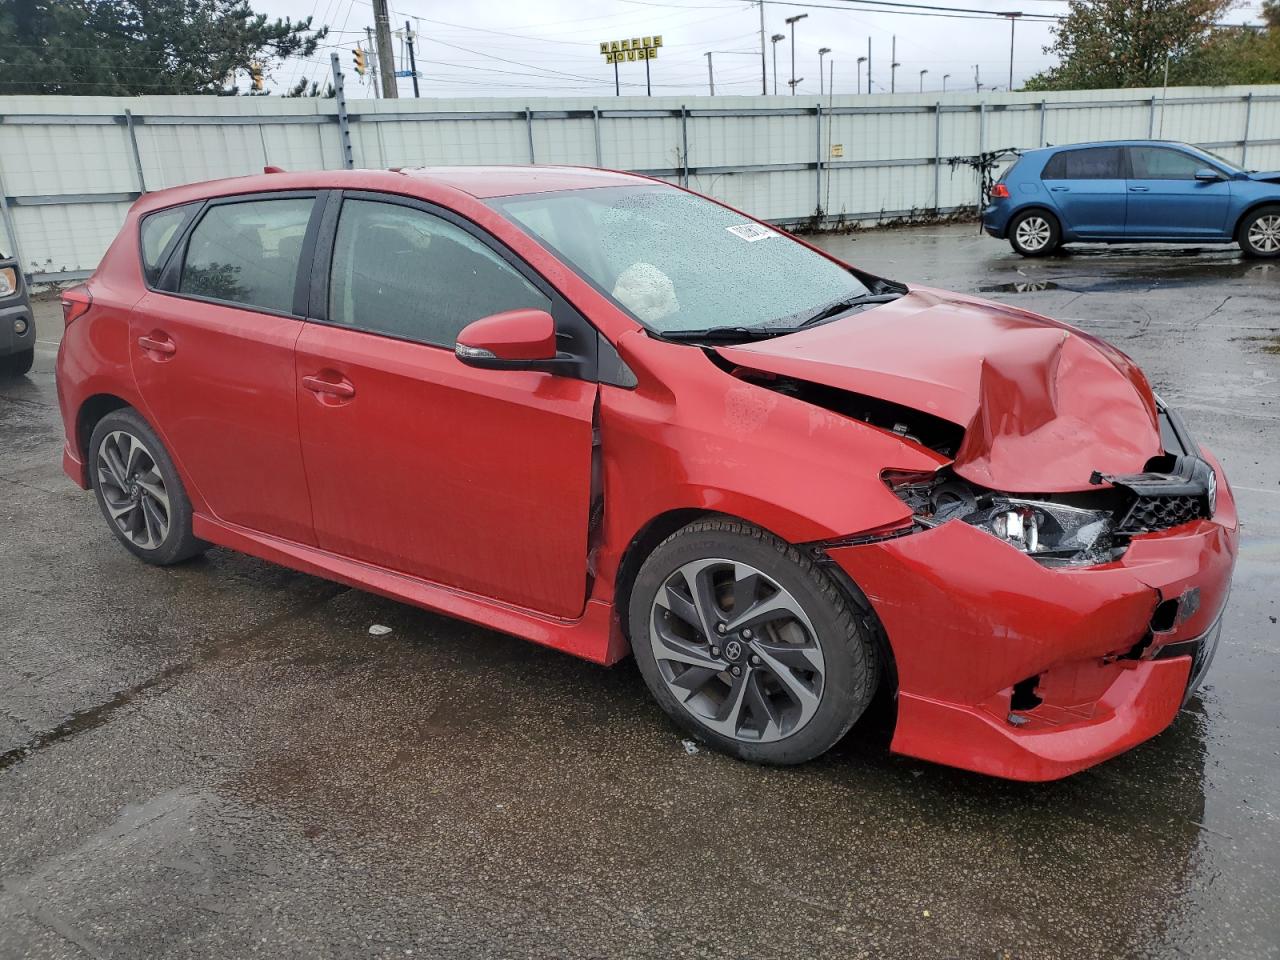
480, 182
1107, 143
504, 181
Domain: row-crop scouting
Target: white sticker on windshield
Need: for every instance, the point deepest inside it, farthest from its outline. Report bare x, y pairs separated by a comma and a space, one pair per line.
750, 232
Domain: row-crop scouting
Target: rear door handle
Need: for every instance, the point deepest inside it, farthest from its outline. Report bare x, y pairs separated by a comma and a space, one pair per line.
158, 343
1060, 189
343, 389
1139, 189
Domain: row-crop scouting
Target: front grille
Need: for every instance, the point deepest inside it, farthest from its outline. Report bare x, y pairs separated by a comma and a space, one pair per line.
1160, 513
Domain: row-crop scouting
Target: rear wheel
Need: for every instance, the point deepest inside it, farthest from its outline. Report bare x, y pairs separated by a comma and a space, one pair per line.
749, 646
1034, 233
17, 364
1259, 234
139, 492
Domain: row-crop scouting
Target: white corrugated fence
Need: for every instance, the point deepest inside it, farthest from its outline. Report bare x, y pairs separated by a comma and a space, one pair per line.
70, 166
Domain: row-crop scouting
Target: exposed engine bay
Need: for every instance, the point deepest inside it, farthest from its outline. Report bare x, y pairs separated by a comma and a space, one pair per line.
1081, 528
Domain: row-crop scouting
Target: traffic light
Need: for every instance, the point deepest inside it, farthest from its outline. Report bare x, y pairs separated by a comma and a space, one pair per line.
358, 56
255, 75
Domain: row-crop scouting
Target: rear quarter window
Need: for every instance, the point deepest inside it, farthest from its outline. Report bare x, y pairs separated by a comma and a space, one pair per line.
158, 232
1092, 163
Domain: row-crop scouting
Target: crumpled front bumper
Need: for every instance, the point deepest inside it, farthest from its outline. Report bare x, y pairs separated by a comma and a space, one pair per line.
969, 619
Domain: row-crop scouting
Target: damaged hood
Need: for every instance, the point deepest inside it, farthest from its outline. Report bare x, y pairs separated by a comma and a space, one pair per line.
1043, 405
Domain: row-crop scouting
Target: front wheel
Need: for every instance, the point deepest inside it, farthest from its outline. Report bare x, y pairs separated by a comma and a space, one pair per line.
748, 645
1259, 234
1034, 233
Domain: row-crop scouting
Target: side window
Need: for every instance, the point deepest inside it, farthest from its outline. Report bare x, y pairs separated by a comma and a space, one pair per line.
157, 233
1158, 163
248, 252
406, 273
1094, 163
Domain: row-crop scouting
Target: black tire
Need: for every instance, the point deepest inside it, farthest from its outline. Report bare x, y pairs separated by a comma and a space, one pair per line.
1043, 233
110, 437
17, 364
1259, 233
849, 672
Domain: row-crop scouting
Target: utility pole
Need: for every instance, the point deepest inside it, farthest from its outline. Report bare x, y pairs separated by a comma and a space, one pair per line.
893, 66
373, 61
822, 52
386, 59
773, 42
977, 79
861, 61
711, 77
413, 64
764, 75
868, 66
791, 22
1013, 23
922, 73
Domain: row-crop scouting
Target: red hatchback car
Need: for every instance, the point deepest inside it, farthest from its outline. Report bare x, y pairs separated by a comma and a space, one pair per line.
607, 414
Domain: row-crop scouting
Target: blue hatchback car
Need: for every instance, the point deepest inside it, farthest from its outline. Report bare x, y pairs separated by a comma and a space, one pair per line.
1132, 191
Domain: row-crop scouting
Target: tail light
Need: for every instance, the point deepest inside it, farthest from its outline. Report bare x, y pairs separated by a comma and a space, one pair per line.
999, 192
76, 302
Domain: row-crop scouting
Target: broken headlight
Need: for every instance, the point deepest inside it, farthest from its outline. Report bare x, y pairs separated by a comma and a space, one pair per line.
1048, 531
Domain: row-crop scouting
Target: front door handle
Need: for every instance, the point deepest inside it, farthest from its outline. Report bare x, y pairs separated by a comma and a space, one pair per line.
342, 389
158, 343
1139, 189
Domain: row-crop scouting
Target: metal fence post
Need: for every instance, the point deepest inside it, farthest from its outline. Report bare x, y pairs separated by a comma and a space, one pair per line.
937, 157
982, 147
344, 125
1248, 115
137, 157
1044, 112
684, 138
595, 118
9, 228
817, 114
528, 123
1151, 123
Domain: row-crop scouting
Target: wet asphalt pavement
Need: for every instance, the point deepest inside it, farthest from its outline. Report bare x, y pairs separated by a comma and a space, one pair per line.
218, 759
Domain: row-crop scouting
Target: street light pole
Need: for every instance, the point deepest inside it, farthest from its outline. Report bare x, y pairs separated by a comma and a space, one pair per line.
893, 66
791, 22
774, 40
945, 78
1013, 23
858, 68
977, 79
822, 52
922, 73
413, 64
711, 77
764, 75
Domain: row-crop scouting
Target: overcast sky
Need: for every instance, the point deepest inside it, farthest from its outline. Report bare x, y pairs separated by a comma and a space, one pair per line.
551, 47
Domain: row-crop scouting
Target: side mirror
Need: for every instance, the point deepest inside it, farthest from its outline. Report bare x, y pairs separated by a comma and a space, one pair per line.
1208, 174
514, 340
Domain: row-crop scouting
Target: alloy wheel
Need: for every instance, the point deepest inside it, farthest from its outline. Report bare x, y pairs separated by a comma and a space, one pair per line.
1264, 234
133, 490
737, 650
1033, 233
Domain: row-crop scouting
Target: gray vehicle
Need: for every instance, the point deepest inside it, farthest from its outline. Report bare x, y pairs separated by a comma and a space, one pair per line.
17, 330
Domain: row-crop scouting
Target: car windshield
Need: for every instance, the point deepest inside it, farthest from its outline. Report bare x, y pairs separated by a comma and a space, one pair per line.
680, 263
